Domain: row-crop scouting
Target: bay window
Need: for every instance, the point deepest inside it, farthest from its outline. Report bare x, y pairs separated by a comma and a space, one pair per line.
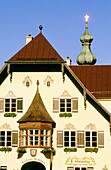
35, 137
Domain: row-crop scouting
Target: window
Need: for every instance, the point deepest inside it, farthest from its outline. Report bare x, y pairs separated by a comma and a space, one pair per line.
13, 105
80, 139
3, 168
80, 168
5, 138
27, 83
91, 138
65, 105
69, 139
36, 137
23, 137
48, 83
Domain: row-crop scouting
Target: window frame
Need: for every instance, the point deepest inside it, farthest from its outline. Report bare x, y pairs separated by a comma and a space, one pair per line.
70, 141
6, 141
65, 98
10, 107
91, 141
27, 135
80, 168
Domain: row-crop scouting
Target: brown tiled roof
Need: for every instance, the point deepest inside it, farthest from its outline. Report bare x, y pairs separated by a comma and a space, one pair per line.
36, 112
39, 49
97, 79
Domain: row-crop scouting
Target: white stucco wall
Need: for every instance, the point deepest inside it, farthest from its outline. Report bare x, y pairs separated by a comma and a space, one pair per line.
80, 120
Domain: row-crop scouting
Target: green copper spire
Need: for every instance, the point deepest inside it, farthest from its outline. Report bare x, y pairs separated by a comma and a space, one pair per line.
86, 57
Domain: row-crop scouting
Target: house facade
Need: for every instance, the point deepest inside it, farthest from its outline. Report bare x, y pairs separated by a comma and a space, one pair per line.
54, 115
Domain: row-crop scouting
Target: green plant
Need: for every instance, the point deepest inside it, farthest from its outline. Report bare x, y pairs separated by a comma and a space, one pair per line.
70, 149
21, 150
91, 150
5, 149
48, 150
65, 114
10, 115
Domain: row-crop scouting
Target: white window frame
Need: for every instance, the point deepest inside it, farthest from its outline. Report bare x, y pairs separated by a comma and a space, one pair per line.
24, 136
10, 98
91, 139
6, 137
65, 98
80, 168
33, 135
70, 138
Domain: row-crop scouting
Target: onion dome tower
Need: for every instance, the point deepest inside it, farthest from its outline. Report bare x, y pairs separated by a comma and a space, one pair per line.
86, 57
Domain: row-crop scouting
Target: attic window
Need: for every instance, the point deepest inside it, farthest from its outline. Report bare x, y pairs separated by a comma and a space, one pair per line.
27, 83
48, 83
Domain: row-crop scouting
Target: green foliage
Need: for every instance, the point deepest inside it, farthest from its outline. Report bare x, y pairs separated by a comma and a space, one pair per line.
65, 115
48, 150
5, 149
91, 150
10, 115
21, 150
70, 149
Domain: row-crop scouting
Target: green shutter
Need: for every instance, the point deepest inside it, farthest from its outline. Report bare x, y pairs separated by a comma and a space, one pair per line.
15, 138
55, 105
19, 105
1, 105
80, 139
59, 138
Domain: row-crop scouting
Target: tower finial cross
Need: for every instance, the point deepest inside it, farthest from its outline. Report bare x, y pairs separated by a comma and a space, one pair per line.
86, 18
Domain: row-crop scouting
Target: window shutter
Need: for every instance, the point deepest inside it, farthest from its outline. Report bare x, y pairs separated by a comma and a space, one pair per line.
15, 138
55, 105
80, 139
100, 139
1, 105
74, 105
59, 138
20, 105
70, 168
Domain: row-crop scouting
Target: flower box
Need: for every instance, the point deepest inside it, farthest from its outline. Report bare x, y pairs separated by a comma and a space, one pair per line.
21, 150
10, 115
65, 115
47, 152
91, 150
6, 149
70, 149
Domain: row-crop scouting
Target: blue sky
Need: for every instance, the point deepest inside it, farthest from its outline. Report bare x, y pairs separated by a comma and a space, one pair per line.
63, 24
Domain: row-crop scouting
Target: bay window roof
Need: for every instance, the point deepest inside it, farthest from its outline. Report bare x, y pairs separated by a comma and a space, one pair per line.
37, 112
